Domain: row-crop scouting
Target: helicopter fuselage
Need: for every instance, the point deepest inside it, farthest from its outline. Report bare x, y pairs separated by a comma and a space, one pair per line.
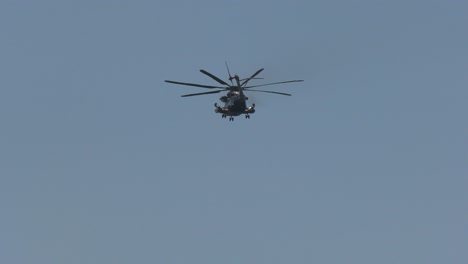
234, 105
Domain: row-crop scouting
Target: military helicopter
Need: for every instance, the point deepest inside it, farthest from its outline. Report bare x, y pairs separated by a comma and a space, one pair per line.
235, 100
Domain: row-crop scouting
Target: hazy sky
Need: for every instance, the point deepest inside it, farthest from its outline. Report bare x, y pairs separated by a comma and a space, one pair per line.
103, 162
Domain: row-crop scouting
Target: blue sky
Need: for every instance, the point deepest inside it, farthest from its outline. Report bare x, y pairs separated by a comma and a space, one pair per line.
103, 162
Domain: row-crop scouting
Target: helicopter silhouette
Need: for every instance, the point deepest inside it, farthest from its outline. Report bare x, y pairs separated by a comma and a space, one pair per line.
235, 100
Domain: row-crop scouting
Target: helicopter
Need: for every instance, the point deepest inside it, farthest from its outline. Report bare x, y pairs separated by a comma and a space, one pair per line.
235, 100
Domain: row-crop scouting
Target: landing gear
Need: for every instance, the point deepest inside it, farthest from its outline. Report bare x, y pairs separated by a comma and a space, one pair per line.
247, 116
230, 118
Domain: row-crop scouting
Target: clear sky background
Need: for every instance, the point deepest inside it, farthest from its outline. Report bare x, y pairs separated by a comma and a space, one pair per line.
103, 162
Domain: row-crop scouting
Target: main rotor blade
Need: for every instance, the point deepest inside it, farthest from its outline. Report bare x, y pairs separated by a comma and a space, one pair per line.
229, 73
251, 77
214, 77
227, 67
272, 83
268, 92
194, 84
195, 94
